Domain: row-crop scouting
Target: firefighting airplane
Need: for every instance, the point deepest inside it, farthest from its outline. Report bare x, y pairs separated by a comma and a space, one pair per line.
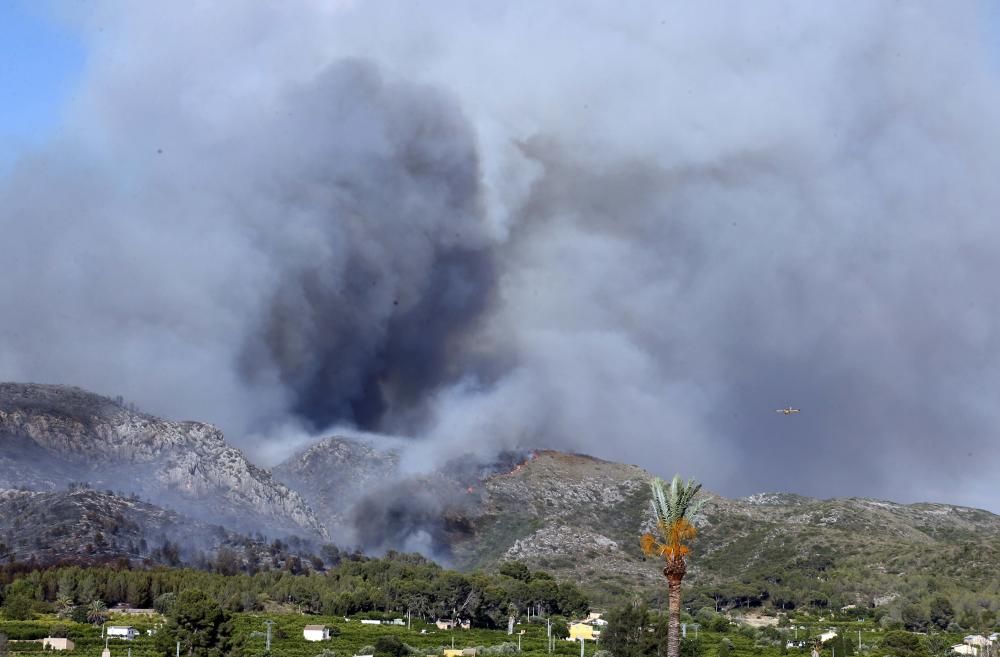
787, 411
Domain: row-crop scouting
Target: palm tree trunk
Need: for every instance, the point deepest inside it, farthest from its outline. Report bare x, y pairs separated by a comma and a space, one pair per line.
674, 572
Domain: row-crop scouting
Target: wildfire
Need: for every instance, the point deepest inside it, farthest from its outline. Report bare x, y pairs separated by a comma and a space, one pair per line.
520, 466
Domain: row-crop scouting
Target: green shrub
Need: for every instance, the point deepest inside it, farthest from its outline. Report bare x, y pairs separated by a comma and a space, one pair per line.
389, 646
18, 608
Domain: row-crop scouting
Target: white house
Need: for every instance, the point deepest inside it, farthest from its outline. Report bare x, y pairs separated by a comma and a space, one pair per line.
977, 640
316, 633
826, 636
56, 643
594, 618
963, 649
368, 621
122, 632
450, 625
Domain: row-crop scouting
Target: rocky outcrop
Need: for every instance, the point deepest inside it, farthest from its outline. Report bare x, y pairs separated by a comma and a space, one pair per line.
334, 474
53, 435
88, 526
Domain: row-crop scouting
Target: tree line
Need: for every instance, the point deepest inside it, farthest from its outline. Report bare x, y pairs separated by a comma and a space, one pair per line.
395, 584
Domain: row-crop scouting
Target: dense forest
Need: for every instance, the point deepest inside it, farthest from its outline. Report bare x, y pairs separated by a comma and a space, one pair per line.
394, 584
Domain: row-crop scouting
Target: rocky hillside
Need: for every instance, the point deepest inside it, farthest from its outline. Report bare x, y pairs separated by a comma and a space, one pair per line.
88, 526
363, 498
573, 515
334, 474
581, 518
51, 436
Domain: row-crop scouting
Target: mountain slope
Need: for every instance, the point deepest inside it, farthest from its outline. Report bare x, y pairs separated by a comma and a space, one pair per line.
53, 435
334, 474
576, 516
89, 526
581, 518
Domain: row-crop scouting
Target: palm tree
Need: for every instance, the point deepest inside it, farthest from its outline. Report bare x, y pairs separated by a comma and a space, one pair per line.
97, 612
64, 606
674, 507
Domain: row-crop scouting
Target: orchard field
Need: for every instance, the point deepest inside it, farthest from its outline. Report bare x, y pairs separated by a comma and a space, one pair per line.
718, 637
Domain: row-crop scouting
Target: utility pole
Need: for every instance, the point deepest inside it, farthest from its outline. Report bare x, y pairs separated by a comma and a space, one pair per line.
178, 649
581, 646
267, 641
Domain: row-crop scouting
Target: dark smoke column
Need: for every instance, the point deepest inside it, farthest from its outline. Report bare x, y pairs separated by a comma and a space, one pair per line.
374, 315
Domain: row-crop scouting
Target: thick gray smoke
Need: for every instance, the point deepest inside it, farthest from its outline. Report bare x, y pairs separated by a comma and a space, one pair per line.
631, 231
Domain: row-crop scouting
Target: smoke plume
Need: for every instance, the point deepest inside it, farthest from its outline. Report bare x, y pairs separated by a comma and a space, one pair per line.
631, 231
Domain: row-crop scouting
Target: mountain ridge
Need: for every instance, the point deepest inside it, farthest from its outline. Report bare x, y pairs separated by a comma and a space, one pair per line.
52, 435
574, 515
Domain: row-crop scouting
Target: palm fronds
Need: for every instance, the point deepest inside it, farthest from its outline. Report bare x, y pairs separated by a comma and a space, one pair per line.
673, 506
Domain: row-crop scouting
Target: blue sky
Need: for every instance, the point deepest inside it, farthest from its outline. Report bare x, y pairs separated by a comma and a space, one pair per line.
40, 63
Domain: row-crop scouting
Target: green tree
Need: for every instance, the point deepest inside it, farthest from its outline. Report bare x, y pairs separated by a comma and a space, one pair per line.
560, 628
942, 613
625, 633
67, 586
64, 606
97, 612
572, 601
515, 569
843, 644
17, 607
165, 603
691, 647
79, 614
674, 506
938, 644
86, 590
914, 618
389, 646
199, 623
903, 644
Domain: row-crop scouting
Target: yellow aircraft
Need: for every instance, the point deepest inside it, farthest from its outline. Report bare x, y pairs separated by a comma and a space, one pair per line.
788, 411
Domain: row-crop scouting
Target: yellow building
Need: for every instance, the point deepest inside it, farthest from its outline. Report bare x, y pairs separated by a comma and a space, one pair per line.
583, 631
